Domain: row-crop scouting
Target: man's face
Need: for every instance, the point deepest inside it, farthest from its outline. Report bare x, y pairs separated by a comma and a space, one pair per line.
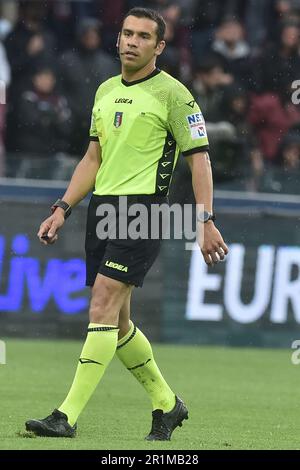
291, 156
231, 32
290, 36
138, 42
212, 79
44, 81
91, 40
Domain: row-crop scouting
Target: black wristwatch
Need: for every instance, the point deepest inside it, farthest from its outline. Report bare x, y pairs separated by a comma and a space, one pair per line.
205, 216
63, 205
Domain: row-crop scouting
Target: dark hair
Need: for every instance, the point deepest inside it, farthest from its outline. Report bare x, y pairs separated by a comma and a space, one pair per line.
42, 66
153, 15
208, 63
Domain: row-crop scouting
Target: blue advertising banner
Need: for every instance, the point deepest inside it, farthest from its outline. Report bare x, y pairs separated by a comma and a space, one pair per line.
42, 288
251, 299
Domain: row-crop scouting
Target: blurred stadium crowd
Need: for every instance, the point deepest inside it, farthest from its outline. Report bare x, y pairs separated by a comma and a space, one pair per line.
238, 58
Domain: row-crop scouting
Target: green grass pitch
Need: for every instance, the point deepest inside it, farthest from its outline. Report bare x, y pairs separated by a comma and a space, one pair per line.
237, 398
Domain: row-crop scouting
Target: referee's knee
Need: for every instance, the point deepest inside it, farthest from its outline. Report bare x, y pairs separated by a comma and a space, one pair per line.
107, 298
124, 327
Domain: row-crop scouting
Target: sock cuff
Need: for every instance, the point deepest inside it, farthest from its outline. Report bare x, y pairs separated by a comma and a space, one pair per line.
100, 327
128, 337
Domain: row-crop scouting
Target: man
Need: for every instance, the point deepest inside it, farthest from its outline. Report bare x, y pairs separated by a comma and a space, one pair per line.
82, 70
44, 121
137, 119
4, 82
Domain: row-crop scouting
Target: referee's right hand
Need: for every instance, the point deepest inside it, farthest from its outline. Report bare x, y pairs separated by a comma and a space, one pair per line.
48, 229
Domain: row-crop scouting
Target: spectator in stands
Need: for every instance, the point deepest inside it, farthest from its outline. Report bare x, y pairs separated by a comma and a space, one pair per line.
277, 13
176, 14
42, 124
61, 19
177, 59
286, 176
283, 9
231, 47
209, 83
4, 82
214, 32
169, 8
280, 61
5, 25
257, 23
111, 14
174, 11
5, 73
290, 155
272, 115
234, 109
209, 86
246, 158
27, 44
81, 72
170, 60
207, 17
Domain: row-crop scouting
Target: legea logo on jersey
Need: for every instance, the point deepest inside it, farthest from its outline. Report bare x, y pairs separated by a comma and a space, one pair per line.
123, 100
196, 125
118, 119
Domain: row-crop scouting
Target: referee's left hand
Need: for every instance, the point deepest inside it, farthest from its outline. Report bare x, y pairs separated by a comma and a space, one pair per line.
212, 245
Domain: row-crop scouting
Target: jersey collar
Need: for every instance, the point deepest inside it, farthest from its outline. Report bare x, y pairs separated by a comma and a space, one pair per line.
152, 74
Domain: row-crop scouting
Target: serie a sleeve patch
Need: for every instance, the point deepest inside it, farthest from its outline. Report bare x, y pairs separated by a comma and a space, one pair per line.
196, 125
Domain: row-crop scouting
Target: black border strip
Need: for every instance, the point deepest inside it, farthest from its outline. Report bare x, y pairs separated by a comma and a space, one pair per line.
102, 328
168, 155
140, 80
129, 339
204, 148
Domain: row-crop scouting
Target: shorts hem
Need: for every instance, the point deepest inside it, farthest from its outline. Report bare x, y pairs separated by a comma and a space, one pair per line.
114, 276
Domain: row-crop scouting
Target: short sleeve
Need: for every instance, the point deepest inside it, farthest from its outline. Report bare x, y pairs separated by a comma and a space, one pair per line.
186, 122
93, 128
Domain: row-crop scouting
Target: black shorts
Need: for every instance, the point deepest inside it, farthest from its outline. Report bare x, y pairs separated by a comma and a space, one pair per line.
118, 256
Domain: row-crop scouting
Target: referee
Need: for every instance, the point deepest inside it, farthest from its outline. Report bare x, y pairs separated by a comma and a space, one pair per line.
141, 119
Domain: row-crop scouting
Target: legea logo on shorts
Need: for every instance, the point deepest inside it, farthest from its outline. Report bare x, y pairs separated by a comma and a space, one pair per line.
119, 267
